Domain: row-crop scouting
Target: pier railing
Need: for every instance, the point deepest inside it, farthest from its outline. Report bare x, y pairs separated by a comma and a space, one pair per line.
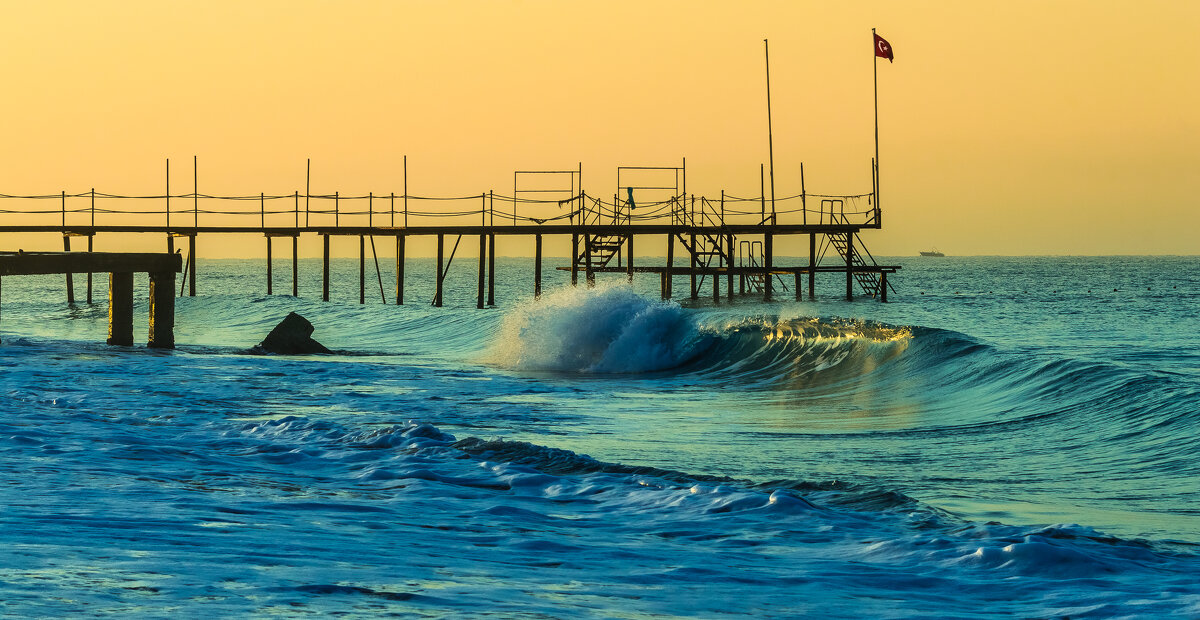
390, 210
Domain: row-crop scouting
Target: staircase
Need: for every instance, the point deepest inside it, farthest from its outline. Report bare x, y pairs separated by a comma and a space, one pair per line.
704, 247
599, 250
868, 282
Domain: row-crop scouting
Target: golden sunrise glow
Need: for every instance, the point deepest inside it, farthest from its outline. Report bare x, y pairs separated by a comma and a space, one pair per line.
1025, 127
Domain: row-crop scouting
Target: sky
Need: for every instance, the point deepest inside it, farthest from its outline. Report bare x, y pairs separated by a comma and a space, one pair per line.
1022, 127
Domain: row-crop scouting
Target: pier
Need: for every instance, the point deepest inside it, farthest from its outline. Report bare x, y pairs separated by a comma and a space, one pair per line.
724, 246
121, 266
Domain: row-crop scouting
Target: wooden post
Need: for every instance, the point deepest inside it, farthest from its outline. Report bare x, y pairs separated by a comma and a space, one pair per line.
574, 259
400, 269
482, 260
883, 286
716, 288
437, 296
89, 275
192, 265
296, 265
362, 270
629, 260
812, 266
767, 256
162, 310
269, 291
798, 296
70, 279
692, 262
587, 258
491, 269
120, 309
849, 266
728, 257
325, 269
537, 266
667, 284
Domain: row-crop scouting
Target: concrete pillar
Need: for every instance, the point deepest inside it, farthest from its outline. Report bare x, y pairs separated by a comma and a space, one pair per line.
120, 309
162, 310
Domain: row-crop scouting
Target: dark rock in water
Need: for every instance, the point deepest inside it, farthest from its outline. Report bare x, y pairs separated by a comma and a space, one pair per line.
293, 336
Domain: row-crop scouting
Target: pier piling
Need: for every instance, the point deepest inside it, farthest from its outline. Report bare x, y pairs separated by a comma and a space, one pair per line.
269, 279
399, 270
325, 268
162, 310
482, 259
437, 296
768, 278
191, 265
296, 265
667, 284
70, 280
491, 296
537, 266
849, 266
120, 308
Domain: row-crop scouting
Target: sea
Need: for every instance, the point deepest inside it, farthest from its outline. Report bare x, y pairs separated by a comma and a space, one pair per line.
1007, 437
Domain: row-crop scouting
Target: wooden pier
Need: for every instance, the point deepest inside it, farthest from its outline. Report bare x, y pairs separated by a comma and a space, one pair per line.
120, 267
724, 243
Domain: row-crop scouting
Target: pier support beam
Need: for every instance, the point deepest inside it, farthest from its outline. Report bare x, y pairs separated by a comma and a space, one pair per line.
491, 298
883, 287
768, 252
70, 279
849, 266
590, 275
667, 284
729, 263
574, 259
362, 269
437, 295
296, 265
269, 291
325, 269
120, 309
482, 259
537, 266
162, 310
89, 274
692, 263
400, 270
629, 261
812, 266
191, 265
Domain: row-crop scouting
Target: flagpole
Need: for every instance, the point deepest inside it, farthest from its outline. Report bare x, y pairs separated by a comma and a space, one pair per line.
875, 75
770, 143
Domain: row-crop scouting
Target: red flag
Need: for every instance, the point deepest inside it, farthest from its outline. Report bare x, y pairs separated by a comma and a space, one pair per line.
883, 49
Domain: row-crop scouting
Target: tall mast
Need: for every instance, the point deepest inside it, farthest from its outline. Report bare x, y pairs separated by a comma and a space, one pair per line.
875, 75
770, 139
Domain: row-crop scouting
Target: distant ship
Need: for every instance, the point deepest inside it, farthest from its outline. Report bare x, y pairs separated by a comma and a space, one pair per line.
932, 252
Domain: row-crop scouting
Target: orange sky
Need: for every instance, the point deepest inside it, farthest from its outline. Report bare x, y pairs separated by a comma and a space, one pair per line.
1064, 127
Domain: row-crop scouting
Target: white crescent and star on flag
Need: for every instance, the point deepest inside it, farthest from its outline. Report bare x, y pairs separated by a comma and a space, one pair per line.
883, 49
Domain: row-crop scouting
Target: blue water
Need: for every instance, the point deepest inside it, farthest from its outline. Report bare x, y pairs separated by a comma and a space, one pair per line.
1008, 437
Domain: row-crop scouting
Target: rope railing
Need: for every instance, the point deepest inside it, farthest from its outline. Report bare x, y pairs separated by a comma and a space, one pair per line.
392, 210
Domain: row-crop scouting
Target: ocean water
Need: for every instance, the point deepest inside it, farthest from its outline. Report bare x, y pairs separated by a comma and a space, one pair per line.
1008, 437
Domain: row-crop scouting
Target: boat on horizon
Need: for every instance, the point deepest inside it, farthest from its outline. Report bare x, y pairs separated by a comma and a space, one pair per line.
934, 252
